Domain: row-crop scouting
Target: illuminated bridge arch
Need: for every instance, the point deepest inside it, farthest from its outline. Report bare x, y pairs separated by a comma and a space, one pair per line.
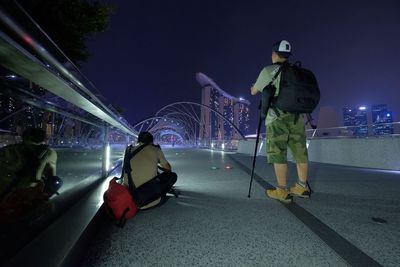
182, 120
160, 126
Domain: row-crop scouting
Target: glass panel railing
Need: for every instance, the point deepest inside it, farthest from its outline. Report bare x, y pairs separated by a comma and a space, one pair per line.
77, 136
378, 130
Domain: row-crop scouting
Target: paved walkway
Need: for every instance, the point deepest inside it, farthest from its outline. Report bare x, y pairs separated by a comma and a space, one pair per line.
214, 223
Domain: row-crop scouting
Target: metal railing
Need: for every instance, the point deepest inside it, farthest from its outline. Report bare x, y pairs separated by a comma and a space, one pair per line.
22, 53
378, 130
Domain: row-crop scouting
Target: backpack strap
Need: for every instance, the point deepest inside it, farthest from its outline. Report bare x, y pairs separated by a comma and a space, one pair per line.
269, 93
127, 166
273, 99
276, 75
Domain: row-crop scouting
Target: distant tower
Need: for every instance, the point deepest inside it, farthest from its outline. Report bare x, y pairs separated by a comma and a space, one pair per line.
209, 123
349, 116
7, 107
381, 116
356, 117
361, 122
236, 110
242, 115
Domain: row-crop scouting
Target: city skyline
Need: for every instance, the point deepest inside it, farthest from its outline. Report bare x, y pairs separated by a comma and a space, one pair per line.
152, 50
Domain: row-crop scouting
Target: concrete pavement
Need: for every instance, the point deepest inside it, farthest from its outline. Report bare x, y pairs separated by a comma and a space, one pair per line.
214, 223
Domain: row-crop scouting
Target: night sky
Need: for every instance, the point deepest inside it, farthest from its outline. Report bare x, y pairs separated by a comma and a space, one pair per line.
150, 54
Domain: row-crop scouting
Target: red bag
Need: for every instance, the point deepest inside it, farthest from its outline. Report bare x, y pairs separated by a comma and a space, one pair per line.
118, 202
20, 204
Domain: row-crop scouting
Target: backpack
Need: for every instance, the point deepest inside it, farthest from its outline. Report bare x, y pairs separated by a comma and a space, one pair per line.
298, 89
118, 201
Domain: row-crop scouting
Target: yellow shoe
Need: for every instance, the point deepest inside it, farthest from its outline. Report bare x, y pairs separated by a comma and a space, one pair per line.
300, 191
279, 194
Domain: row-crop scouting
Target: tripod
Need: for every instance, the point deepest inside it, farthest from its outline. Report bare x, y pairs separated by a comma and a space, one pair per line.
309, 120
255, 151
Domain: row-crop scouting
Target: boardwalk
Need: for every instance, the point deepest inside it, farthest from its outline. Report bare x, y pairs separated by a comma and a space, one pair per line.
213, 223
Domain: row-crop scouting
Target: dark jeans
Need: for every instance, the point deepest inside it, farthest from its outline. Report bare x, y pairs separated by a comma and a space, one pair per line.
157, 187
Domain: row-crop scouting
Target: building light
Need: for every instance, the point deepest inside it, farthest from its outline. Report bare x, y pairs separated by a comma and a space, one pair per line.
388, 115
362, 108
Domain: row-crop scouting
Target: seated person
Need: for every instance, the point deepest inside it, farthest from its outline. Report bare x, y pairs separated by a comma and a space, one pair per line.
27, 168
144, 166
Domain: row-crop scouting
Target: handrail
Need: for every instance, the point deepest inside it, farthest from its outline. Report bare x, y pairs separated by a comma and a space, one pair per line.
368, 126
354, 126
41, 52
314, 131
17, 59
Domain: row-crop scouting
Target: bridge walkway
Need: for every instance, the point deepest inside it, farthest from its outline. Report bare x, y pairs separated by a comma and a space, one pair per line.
352, 219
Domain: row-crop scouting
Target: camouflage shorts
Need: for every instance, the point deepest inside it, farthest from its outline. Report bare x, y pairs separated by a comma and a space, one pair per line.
283, 133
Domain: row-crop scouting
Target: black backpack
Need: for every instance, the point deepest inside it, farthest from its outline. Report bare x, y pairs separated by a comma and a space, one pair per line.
298, 89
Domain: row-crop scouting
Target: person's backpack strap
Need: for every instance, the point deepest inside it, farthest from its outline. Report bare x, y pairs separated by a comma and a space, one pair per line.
126, 168
275, 76
277, 73
268, 93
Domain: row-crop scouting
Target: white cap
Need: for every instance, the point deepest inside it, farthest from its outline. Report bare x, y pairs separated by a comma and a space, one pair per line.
282, 47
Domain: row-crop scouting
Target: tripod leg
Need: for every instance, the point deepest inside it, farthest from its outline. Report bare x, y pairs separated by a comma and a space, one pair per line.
255, 155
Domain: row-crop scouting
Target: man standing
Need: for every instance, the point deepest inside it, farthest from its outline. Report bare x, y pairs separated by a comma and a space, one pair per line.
144, 166
284, 130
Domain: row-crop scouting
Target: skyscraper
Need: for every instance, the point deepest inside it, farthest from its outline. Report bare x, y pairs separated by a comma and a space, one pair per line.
15, 114
242, 115
361, 122
235, 110
381, 117
356, 119
7, 108
209, 126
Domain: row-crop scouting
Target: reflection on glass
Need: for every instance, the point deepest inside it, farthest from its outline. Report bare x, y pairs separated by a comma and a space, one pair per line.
41, 176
